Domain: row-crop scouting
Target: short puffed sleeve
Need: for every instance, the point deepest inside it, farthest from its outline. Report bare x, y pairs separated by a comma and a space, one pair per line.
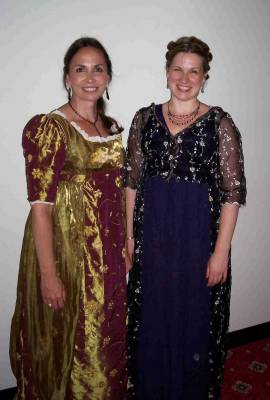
44, 150
231, 162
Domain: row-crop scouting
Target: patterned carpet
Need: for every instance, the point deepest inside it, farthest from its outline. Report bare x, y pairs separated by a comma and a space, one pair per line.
247, 372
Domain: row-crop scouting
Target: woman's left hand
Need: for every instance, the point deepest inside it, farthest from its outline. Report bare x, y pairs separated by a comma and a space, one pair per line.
129, 256
217, 268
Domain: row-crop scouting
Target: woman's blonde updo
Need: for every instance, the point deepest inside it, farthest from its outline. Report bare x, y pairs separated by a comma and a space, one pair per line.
189, 44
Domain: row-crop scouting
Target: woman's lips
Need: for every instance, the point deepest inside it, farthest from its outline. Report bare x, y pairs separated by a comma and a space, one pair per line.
183, 88
90, 89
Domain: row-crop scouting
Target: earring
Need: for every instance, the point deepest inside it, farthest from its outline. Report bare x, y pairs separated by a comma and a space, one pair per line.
167, 84
203, 87
69, 89
107, 94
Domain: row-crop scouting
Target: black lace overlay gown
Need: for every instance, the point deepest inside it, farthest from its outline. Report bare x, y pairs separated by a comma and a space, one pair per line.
178, 325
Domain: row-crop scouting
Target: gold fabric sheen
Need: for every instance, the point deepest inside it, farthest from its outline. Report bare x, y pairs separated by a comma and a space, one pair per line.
76, 197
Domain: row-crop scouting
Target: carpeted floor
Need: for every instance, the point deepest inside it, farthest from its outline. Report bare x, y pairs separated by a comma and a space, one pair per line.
247, 372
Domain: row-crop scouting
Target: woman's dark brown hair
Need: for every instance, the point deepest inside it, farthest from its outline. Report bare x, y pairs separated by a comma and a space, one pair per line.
189, 44
72, 50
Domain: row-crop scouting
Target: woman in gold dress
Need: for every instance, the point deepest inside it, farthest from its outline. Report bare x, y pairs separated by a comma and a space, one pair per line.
68, 335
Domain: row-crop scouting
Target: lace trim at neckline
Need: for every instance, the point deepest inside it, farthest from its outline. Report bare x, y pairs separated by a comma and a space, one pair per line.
85, 134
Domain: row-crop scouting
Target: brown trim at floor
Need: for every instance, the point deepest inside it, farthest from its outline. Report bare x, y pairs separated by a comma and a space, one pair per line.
248, 335
236, 338
8, 394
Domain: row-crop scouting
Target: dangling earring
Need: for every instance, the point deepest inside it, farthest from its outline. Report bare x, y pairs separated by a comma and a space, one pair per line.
69, 89
107, 94
203, 87
167, 84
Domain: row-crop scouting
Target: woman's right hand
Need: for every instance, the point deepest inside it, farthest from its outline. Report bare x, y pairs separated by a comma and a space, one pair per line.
52, 288
53, 291
130, 243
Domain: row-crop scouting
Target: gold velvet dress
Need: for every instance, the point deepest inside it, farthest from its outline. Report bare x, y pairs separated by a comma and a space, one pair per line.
78, 352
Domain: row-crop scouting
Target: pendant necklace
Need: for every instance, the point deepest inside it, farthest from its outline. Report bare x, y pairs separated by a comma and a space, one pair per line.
85, 119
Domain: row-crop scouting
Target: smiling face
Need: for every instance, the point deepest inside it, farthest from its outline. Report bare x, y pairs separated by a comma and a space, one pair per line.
87, 74
185, 76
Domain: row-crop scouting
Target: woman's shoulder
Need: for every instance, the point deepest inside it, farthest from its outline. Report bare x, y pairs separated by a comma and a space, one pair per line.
43, 125
42, 119
143, 113
224, 121
146, 108
222, 115
218, 110
34, 122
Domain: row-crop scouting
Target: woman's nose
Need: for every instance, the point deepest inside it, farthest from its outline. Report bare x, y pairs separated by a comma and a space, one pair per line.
90, 76
184, 77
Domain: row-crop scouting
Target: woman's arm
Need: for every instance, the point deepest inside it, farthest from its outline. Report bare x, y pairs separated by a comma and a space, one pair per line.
52, 289
133, 170
44, 149
217, 267
130, 204
233, 189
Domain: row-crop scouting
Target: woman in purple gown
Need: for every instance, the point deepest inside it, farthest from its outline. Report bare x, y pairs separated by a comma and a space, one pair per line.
185, 182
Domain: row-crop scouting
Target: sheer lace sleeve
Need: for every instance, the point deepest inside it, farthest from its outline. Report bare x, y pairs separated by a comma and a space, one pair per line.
231, 162
134, 157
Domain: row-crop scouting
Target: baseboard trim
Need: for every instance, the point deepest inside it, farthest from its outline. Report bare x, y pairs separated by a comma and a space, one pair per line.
8, 394
236, 338
250, 334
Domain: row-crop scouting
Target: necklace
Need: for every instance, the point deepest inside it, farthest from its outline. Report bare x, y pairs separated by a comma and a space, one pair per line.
183, 119
85, 119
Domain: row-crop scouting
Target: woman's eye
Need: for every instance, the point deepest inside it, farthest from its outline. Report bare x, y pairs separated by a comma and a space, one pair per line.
99, 69
79, 69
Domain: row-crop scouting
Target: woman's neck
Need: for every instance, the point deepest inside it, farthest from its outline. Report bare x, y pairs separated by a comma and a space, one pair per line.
183, 107
88, 109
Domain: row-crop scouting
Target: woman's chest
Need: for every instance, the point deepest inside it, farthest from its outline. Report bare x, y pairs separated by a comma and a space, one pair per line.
95, 153
197, 144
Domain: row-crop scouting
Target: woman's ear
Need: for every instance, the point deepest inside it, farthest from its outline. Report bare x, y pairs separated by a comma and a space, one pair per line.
67, 81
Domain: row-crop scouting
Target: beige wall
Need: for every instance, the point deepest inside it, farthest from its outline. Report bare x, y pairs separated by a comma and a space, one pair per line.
34, 36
